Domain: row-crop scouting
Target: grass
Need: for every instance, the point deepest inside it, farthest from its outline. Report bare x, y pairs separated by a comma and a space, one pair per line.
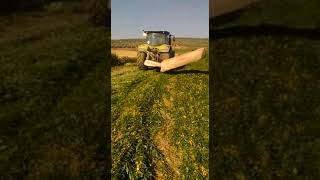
160, 123
52, 84
265, 93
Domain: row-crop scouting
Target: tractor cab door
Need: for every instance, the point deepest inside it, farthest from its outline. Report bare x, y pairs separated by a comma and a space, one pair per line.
171, 39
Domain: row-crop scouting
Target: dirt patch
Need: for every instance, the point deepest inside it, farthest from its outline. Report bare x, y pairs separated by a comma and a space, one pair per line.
131, 53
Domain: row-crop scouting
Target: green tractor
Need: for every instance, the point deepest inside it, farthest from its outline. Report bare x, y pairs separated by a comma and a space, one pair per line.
157, 48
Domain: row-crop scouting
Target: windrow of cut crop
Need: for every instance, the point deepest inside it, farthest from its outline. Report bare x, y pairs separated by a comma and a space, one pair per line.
134, 152
186, 102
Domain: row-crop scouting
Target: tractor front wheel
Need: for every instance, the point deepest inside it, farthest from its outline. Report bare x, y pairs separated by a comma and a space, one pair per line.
140, 60
164, 56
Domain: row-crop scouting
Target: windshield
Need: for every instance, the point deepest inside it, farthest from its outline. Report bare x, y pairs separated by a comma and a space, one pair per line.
157, 39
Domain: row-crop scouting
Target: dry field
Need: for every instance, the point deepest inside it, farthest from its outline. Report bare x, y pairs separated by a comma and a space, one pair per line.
124, 52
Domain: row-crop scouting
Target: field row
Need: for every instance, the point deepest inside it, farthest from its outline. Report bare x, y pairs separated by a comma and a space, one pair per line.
154, 133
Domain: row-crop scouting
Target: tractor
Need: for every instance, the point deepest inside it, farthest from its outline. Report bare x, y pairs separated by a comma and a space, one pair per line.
157, 48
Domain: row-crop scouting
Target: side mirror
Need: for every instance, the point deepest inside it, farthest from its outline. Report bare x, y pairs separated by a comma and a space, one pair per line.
173, 38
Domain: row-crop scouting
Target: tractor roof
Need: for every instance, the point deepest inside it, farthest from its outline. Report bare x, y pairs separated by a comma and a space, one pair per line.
163, 32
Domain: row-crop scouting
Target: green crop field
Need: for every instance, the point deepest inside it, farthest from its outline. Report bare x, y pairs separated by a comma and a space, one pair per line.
52, 96
264, 91
160, 121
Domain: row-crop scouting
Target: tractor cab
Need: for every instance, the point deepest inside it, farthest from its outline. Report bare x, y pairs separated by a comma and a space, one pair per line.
158, 47
156, 38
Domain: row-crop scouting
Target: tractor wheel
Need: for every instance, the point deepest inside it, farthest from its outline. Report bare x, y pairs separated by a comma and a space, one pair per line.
164, 56
172, 54
140, 60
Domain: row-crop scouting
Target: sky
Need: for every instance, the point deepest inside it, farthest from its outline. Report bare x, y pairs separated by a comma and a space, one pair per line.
182, 18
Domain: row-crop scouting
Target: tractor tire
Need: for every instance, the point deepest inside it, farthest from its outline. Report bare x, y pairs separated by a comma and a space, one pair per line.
164, 56
140, 60
172, 54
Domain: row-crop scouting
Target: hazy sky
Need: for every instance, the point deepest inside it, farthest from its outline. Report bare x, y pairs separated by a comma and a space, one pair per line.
183, 18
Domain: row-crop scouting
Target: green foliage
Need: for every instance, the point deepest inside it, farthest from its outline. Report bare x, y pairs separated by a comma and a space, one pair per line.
115, 60
265, 94
53, 94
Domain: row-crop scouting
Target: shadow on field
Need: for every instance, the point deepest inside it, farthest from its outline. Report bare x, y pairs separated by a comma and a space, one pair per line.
265, 30
188, 72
